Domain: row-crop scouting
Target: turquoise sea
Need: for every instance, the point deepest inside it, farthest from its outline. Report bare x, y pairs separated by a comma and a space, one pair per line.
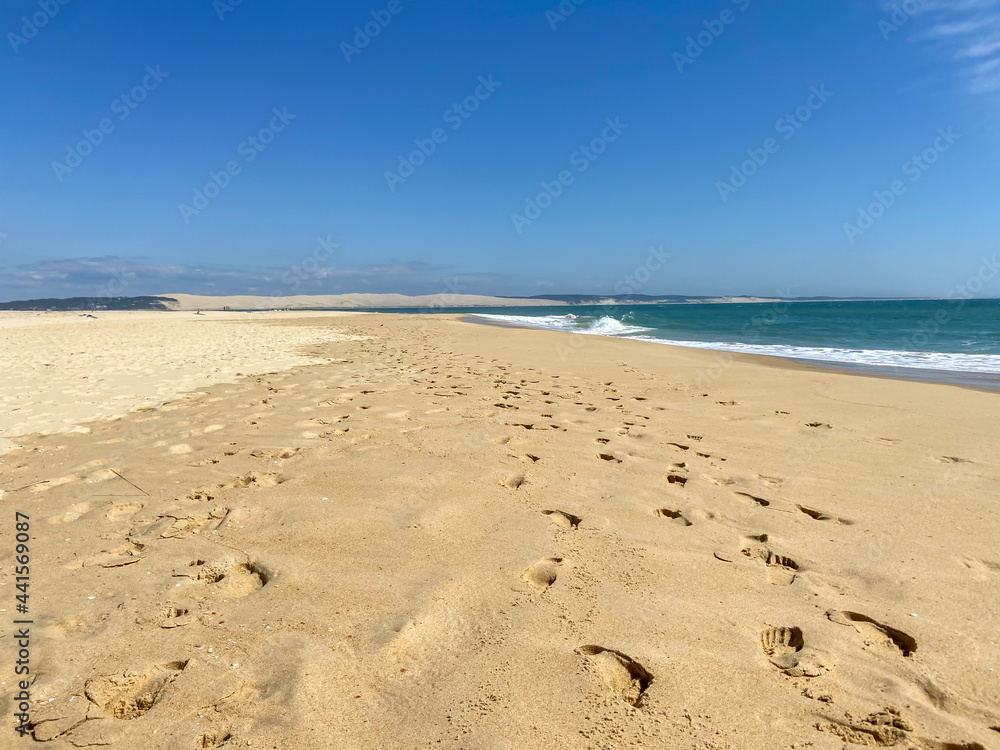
944, 336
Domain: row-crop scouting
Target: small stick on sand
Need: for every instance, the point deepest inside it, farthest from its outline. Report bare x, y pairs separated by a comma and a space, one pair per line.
134, 485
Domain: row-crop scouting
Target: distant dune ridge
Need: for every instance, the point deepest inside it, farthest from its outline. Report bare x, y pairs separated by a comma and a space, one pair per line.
349, 301
427, 301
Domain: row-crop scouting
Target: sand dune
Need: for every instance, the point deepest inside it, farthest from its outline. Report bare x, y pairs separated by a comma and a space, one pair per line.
438, 534
347, 301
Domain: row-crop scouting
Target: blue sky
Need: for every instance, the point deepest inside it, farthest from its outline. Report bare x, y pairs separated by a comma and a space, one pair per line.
314, 191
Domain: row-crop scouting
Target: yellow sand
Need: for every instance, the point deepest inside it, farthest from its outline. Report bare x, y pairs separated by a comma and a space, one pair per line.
59, 370
436, 534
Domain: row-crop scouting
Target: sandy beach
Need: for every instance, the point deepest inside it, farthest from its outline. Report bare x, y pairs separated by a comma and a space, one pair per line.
309, 531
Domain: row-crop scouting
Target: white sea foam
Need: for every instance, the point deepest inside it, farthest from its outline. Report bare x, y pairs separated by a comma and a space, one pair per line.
605, 326
608, 326
989, 363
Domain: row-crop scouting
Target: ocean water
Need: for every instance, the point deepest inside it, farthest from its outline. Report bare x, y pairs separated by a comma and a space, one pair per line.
960, 336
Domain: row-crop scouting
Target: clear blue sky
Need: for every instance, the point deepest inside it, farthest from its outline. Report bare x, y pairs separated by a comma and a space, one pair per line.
886, 92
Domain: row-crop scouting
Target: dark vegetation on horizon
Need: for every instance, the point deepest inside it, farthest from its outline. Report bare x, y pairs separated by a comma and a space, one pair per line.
90, 304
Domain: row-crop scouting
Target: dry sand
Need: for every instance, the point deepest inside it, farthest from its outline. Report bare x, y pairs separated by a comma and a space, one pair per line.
458, 536
59, 370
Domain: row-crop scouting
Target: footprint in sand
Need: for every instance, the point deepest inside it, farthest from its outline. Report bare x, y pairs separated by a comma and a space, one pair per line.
72, 514
127, 554
562, 518
822, 425
781, 645
785, 648
609, 457
781, 569
883, 634
175, 617
513, 482
721, 481
984, 568
255, 479
673, 515
673, 478
818, 515
773, 482
758, 501
233, 581
181, 523
204, 462
543, 573
953, 460
282, 454
132, 694
215, 739
123, 510
885, 728
626, 677
201, 494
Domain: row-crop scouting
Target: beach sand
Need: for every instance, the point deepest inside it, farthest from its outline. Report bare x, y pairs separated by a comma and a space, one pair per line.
413, 531
60, 370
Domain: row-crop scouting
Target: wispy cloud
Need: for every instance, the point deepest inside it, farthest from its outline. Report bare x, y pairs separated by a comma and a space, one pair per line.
112, 276
968, 33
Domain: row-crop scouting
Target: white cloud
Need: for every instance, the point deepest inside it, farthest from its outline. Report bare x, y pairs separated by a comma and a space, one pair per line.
966, 32
112, 276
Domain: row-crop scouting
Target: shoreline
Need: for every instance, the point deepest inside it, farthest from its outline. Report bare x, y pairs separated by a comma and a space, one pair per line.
983, 381
126, 389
